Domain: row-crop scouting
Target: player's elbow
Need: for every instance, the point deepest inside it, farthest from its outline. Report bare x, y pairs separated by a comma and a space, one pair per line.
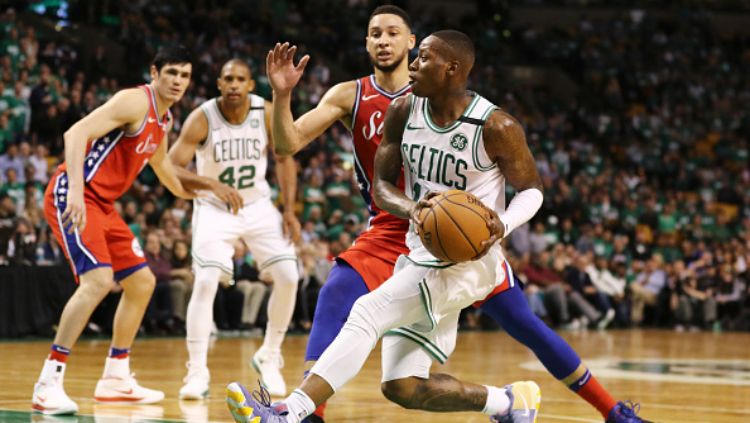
284, 150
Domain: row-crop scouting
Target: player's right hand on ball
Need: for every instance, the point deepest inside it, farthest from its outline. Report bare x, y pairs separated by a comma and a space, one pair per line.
74, 216
283, 75
230, 196
497, 231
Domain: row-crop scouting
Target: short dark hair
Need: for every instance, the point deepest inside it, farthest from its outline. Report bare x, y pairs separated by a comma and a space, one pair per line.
172, 54
389, 9
461, 45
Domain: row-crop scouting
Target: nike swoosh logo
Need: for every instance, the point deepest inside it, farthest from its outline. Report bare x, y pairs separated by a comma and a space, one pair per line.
413, 128
41, 398
151, 120
128, 392
369, 97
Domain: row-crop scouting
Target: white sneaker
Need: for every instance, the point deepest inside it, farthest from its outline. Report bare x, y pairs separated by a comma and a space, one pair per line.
49, 395
268, 366
606, 320
196, 383
118, 386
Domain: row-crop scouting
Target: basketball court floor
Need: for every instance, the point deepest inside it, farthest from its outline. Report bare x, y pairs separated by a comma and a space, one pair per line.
677, 378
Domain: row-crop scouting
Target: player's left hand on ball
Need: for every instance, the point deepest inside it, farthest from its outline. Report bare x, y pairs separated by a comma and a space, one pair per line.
497, 230
423, 203
291, 226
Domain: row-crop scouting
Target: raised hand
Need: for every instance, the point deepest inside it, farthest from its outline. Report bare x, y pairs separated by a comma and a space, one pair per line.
283, 75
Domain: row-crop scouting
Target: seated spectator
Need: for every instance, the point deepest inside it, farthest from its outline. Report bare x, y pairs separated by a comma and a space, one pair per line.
696, 303
581, 292
729, 296
159, 318
610, 291
646, 288
181, 282
545, 288
22, 244
13, 188
11, 160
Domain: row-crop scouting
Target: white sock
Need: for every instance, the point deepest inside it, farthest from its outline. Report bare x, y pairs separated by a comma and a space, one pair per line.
200, 314
299, 405
281, 304
51, 369
498, 402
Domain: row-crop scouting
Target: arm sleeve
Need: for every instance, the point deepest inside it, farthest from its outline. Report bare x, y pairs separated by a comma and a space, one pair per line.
522, 207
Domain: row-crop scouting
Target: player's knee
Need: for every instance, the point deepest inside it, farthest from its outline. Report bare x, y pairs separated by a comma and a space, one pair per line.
141, 283
401, 392
361, 319
284, 273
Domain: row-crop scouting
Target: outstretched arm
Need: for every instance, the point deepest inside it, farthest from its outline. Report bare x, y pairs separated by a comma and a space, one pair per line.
388, 161
194, 132
291, 136
166, 173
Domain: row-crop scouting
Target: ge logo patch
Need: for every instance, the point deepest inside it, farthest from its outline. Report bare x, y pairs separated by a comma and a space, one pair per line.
459, 141
136, 247
254, 123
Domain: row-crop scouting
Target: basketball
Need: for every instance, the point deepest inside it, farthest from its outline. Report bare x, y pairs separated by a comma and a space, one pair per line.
455, 225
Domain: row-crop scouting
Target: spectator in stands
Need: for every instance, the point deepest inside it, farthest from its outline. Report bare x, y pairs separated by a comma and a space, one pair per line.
22, 244
247, 281
159, 318
181, 280
610, 291
11, 160
729, 296
546, 287
646, 288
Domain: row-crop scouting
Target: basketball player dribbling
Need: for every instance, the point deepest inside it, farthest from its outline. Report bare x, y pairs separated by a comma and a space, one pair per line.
104, 153
361, 105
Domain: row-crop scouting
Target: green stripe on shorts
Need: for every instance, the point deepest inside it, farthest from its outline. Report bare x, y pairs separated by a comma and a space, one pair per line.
423, 342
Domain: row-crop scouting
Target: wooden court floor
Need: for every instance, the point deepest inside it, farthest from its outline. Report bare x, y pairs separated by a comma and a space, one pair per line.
687, 377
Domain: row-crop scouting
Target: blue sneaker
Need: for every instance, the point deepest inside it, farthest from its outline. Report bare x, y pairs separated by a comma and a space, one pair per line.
255, 408
625, 412
525, 399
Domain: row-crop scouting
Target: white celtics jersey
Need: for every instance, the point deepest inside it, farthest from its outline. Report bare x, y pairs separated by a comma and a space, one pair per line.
236, 155
452, 157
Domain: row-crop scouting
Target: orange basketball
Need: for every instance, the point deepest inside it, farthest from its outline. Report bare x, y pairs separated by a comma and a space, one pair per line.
454, 227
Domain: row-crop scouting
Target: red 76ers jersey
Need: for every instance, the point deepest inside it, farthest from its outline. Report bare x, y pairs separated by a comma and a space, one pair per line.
370, 106
114, 161
376, 250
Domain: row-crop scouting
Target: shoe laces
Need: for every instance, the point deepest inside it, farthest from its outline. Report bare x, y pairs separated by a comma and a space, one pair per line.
629, 409
262, 395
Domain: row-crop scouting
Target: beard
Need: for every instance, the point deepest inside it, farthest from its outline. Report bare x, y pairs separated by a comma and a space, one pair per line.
387, 68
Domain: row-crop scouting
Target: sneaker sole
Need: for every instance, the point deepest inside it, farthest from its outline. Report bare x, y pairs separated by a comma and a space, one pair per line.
537, 393
199, 397
39, 409
236, 398
125, 400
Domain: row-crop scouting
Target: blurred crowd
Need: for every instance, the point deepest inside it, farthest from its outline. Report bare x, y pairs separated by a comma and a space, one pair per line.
646, 219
